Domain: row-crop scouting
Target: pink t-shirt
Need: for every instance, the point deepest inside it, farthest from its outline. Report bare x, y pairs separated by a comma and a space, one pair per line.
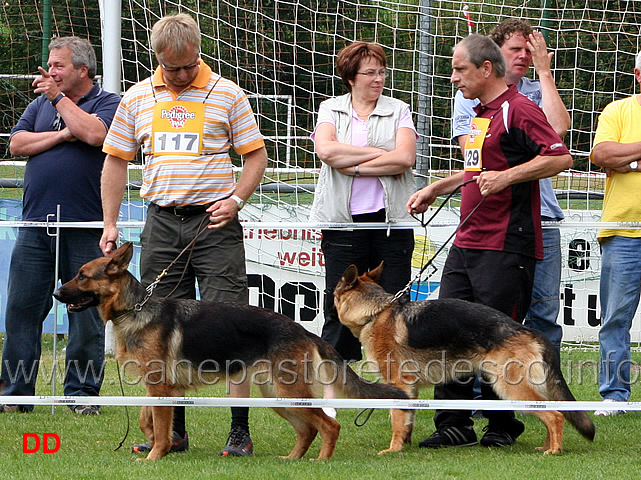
367, 192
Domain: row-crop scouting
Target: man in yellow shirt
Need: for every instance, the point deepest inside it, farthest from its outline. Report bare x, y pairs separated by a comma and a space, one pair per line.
617, 148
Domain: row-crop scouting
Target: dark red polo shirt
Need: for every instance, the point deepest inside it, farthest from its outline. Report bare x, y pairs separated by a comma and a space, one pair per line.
510, 220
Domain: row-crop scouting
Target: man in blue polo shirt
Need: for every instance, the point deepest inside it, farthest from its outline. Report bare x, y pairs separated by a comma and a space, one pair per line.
62, 133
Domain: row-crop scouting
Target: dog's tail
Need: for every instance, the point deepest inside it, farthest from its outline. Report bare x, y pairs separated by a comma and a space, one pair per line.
558, 390
346, 382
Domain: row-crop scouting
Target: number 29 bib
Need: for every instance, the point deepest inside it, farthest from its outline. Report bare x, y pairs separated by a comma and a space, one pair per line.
177, 128
473, 160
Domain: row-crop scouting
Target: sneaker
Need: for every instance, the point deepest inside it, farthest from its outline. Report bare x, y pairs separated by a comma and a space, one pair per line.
501, 437
330, 412
178, 444
450, 437
239, 444
85, 409
608, 413
11, 408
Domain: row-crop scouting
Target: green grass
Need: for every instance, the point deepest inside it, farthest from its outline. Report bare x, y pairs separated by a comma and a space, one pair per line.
87, 444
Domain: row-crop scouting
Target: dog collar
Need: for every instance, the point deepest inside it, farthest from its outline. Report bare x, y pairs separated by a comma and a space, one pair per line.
120, 318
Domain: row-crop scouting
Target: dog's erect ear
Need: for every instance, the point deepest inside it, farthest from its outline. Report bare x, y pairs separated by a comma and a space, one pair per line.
350, 276
120, 258
376, 273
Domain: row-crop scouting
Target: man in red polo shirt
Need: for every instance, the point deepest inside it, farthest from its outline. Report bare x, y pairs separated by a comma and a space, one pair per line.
510, 147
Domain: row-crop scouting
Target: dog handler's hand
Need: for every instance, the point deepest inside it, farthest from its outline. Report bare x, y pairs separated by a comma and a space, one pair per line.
421, 200
108, 240
222, 212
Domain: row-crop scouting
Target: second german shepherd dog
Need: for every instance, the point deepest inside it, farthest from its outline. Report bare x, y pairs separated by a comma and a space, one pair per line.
169, 340
436, 341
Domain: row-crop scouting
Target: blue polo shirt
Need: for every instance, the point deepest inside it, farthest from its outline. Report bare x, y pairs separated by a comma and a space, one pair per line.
69, 173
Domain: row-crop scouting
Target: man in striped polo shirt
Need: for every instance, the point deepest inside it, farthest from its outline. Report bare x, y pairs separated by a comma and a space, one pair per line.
186, 118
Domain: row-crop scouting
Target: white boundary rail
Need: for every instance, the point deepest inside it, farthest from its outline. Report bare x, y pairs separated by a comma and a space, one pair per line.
418, 404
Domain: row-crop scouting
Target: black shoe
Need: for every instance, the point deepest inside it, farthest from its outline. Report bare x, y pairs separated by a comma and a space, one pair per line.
500, 437
450, 437
178, 444
239, 444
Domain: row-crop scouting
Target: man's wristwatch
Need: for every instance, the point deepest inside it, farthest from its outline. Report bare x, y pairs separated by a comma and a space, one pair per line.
239, 201
634, 165
57, 99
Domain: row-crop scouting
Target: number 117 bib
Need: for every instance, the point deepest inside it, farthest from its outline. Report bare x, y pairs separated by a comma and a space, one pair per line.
177, 128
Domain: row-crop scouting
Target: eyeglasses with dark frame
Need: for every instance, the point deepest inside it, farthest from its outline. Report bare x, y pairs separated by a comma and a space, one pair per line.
374, 73
186, 68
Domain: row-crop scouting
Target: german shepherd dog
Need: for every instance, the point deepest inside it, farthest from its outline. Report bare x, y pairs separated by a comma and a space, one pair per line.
181, 335
435, 341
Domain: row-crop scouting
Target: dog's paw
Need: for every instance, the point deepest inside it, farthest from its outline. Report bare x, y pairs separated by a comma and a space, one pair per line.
390, 450
549, 451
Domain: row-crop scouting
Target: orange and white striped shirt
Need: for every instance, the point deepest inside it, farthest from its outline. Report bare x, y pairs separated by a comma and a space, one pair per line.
177, 179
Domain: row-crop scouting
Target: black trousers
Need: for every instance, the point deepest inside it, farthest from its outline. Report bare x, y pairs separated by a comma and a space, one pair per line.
497, 279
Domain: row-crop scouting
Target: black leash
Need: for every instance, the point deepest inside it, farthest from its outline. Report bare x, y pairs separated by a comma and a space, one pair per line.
424, 224
122, 391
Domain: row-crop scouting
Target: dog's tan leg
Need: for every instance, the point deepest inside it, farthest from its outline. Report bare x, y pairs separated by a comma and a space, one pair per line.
329, 430
402, 426
402, 421
147, 423
553, 421
162, 431
305, 432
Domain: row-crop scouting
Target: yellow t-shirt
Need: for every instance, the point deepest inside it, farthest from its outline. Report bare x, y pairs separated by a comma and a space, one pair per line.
620, 122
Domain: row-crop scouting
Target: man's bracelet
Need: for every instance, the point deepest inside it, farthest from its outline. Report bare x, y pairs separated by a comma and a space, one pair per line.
57, 99
356, 172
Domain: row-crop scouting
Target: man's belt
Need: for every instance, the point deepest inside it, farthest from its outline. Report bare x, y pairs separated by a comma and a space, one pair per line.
184, 210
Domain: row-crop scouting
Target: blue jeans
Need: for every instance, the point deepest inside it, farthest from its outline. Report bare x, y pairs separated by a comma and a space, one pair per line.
619, 291
31, 283
545, 306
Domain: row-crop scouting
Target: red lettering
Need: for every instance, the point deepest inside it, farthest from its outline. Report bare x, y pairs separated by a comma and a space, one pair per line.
45, 442
287, 257
25, 441
303, 259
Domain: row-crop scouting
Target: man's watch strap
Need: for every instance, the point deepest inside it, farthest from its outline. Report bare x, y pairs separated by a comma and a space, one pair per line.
239, 201
57, 99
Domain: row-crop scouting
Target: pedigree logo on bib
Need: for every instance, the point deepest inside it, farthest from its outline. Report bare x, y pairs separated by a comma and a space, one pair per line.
177, 116
473, 160
177, 128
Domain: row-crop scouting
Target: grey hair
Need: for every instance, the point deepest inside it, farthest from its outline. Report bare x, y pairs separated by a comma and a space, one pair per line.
479, 49
82, 53
637, 64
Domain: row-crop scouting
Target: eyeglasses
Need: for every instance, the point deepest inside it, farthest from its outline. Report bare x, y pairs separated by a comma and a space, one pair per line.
374, 73
186, 68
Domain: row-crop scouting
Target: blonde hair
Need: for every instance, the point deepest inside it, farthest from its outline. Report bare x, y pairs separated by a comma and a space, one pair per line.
177, 33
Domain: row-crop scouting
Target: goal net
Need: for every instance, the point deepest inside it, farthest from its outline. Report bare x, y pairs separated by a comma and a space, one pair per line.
282, 53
